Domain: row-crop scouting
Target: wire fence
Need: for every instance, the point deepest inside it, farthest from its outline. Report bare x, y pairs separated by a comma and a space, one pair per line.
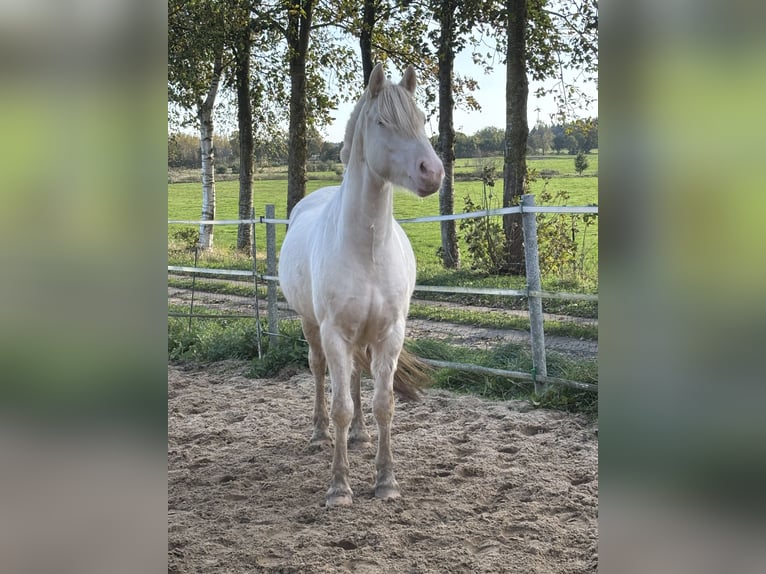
250, 290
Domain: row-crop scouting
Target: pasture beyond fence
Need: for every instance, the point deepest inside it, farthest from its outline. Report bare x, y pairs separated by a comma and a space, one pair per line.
533, 291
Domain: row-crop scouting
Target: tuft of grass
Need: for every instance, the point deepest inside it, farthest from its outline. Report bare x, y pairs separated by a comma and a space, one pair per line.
216, 339
211, 340
513, 358
291, 350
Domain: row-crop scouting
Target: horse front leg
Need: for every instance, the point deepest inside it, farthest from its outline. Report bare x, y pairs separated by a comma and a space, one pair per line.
358, 437
339, 360
320, 437
384, 360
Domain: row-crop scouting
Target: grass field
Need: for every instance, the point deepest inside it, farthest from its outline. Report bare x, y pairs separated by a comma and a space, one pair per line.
184, 202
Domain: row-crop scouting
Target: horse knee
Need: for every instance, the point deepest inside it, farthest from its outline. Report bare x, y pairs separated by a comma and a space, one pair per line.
383, 404
342, 411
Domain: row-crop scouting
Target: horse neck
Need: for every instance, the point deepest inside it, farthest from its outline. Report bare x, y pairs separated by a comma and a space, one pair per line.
366, 211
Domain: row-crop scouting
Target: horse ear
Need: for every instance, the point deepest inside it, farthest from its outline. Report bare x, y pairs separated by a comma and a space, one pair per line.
409, 80
377, 78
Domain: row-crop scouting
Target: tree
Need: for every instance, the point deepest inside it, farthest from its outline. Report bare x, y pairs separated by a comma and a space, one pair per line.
456, 20
300, 13
584, 133
464, 146
450, 251
183, 150
490, 140
580, 162
540, 138
242, 42
516, 131
563, 141
542, 40
196, 36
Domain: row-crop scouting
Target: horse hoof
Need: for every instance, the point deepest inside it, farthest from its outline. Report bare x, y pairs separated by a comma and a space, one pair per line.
338, 500
318, 443
387, 492
359, 442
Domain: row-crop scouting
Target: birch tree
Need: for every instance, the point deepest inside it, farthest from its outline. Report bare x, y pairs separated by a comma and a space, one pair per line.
195, 66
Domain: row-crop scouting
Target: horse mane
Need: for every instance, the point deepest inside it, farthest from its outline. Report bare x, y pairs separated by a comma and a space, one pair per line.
396, 108
348, 138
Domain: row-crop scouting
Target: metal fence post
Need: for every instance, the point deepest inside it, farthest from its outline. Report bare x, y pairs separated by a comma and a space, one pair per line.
271, 270
529, 229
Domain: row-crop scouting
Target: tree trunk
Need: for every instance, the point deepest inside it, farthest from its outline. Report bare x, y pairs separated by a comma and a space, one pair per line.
205, 116
245, 124
365, 39
299, 23
450, 248
516, 132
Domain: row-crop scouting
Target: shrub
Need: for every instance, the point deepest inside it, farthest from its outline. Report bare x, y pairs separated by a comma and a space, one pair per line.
483, 235
188, 237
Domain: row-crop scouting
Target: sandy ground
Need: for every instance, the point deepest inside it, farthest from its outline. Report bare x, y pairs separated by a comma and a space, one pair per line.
486, 486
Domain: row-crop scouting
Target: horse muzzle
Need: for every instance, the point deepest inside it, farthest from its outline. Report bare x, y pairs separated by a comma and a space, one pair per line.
430, 176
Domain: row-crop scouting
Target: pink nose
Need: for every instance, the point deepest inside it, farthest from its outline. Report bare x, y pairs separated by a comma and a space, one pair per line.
431, 175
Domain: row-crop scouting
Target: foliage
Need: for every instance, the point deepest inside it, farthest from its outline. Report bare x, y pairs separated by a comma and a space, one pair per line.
580, 162
196, 39
188, 237
512, 358
540, 139
291, 350
563, 246
561, 239
483, 235
211, 340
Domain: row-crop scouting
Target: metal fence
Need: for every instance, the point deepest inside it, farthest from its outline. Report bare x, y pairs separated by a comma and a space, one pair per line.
267, 280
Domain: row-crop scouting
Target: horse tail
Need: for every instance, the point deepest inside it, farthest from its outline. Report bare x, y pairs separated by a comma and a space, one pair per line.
412, 375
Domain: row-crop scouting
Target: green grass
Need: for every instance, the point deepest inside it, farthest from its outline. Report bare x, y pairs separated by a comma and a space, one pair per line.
498, 320
184, 203
210, 340
513, 358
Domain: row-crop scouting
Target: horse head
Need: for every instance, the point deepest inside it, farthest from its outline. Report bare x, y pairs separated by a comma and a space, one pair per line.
387, 132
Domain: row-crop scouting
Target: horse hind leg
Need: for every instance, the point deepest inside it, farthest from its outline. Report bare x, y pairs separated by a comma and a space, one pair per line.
358, 437
320, 437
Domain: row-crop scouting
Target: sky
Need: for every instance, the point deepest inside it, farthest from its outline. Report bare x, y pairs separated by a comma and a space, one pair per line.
491, 97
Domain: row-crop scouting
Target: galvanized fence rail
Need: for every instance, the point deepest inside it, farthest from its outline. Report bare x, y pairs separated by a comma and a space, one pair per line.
533, 292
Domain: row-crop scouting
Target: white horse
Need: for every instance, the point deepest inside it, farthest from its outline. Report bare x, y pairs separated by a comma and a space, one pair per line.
348, 269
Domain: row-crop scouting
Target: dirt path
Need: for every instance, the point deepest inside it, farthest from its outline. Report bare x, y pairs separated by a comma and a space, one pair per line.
487, 486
